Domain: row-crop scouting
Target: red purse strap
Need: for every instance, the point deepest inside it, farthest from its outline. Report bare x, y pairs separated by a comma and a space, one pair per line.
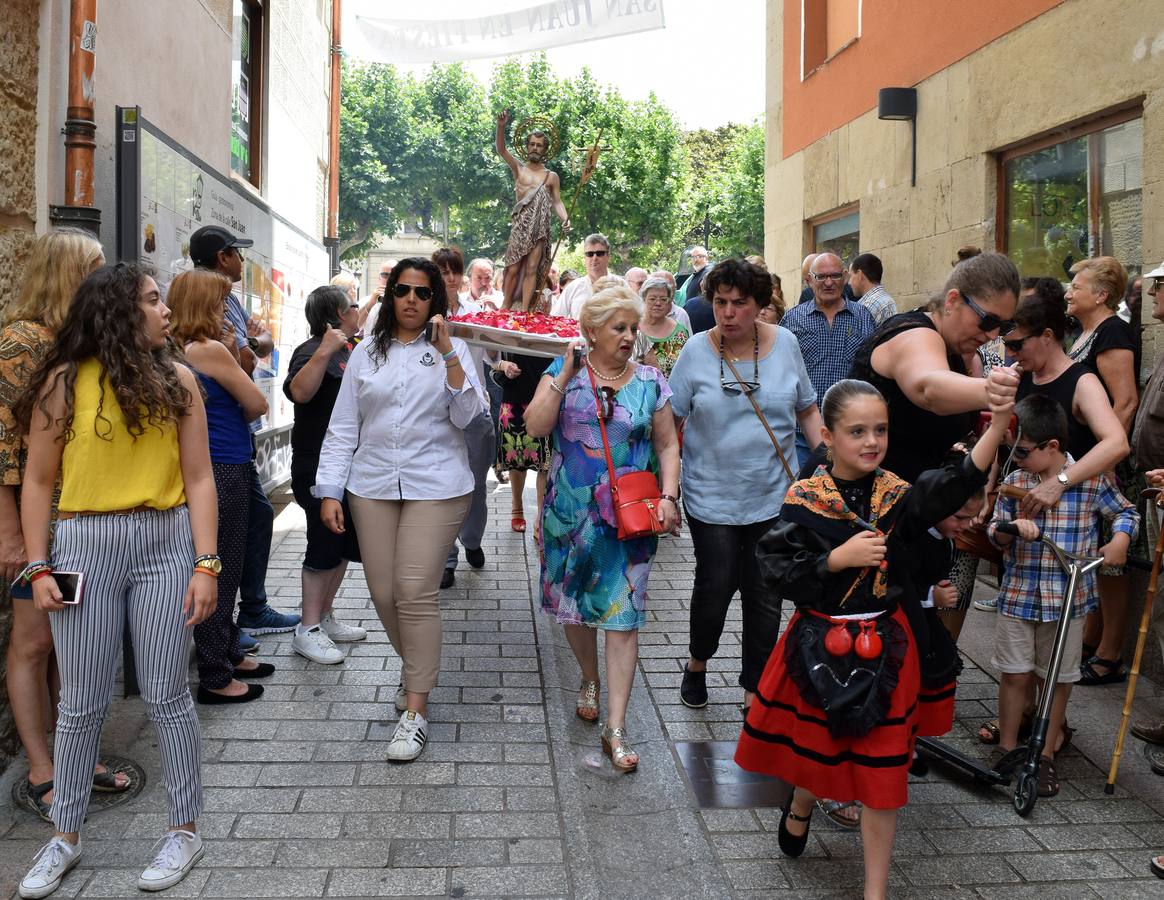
602, 428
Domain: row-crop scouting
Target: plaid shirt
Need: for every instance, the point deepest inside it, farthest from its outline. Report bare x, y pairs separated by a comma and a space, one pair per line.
879, 304
828, 350
1033, 583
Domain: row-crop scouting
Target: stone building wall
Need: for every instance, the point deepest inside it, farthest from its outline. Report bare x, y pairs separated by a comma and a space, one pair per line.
18, 86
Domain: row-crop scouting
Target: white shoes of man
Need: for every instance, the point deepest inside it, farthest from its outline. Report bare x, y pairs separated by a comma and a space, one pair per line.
318, 644
177, 853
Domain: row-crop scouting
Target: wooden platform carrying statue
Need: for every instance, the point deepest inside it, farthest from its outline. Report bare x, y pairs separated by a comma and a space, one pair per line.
527, 258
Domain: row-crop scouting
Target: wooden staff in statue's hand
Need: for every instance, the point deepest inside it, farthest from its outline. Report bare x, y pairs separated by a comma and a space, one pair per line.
538, 190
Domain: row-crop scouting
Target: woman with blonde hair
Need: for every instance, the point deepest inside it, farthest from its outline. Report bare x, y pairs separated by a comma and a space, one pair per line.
198, 323
590, 579
349, 283
58, 263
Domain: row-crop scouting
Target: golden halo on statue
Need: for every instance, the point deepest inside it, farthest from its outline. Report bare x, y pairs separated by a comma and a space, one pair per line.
535, 123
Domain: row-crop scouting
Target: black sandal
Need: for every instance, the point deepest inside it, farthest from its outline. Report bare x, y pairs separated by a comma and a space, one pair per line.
36, 802
1115, 674
791, 844
106, 782
1048, 778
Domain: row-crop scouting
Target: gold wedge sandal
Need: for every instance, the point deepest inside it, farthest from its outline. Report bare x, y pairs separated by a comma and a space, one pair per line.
619, 755
587, 706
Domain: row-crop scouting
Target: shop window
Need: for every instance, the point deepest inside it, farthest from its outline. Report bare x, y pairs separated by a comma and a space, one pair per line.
248, 88
1070, 198
827, 28
839, 233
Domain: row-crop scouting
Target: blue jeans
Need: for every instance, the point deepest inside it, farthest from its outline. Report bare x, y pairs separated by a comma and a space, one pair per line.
253, 588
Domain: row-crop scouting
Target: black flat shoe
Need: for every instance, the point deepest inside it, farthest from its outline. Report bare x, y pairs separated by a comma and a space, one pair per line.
447, 579
1115, 672
791, 844
476, 557
693, 689
254, 692
262, 670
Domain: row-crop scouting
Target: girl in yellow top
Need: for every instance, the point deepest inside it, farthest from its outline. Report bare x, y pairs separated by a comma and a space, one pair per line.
123, 424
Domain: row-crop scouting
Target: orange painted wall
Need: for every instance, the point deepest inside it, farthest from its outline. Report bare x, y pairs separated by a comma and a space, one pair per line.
902, 42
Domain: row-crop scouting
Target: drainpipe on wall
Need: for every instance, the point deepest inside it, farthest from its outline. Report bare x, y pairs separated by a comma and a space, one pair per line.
80, 128
331, 240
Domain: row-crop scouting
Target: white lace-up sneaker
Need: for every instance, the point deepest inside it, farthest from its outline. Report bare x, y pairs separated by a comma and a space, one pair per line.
408, 741
401, 701
178, 851
49, 868
341, 632
317, 646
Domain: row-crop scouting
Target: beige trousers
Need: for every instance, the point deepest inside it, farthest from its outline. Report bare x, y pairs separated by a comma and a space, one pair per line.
404, 544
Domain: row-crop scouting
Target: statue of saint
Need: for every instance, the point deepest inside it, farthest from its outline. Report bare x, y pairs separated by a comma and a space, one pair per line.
527, 259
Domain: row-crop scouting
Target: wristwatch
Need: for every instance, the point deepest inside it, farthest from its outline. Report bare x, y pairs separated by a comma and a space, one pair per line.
212, 564
1062, 479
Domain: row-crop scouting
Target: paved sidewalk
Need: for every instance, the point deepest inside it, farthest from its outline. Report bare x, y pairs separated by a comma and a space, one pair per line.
513, 797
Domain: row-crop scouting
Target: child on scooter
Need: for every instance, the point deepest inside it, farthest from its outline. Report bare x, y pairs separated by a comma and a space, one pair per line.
1033, 584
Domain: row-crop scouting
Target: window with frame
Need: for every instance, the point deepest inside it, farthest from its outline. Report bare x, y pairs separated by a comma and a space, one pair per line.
248, 88
838, 233
826, 28
1073, 196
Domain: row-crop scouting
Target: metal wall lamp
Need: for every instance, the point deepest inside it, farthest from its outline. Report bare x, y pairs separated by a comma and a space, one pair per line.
898, 104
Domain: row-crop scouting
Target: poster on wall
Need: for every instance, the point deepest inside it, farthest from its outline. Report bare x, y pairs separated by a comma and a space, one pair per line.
165, 194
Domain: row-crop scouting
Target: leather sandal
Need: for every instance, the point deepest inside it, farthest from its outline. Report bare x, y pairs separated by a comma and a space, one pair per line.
619, 755
587, 707
1048, 778
106, 782
517, 523
36, 801
1115, 674
833, 809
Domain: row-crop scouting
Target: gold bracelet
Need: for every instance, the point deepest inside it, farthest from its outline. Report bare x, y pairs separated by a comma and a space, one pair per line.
554, 385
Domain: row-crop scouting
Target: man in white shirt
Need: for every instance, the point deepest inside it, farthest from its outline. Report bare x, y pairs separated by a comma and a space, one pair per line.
596, 249
481, 285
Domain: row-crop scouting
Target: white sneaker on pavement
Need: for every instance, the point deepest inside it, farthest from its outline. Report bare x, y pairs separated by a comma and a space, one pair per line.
317, 647
401, 701
341, 632
49, 868
178, 851
408, 741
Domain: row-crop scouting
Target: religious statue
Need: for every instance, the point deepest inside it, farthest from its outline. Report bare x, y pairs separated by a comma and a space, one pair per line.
527, 259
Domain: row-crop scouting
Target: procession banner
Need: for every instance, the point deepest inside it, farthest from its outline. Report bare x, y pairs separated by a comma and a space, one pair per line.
533, 28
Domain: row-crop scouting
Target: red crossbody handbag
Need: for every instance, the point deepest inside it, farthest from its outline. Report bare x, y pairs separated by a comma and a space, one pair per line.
635, 496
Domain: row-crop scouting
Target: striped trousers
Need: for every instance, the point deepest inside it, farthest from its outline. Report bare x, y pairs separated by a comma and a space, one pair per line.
137, 568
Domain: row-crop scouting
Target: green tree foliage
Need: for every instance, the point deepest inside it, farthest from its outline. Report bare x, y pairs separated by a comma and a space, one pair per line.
422, 149
738, 204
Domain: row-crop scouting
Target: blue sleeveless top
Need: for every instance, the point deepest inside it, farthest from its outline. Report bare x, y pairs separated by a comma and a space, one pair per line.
230, 436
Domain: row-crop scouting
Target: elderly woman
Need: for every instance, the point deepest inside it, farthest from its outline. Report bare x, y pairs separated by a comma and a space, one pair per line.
660, 325
591, 580
1106, 346
395, 449
734, 480
313, 382
349, 284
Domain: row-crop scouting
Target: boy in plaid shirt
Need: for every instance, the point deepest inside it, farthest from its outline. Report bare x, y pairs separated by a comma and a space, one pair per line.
1033, 583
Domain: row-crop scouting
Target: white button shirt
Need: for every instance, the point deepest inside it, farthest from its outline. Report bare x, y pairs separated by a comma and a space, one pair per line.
396, 431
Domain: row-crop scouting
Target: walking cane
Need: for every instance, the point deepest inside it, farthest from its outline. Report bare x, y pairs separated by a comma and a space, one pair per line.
1141, 639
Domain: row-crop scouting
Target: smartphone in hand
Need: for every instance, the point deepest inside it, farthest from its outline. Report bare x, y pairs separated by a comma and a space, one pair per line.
577, 357
428, 331
71, 584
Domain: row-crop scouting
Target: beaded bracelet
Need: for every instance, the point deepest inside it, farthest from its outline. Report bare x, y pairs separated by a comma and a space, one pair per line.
554, 385
41, 573
33, 569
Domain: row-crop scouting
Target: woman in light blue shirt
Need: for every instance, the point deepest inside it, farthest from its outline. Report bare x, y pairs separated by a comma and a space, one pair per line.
732, 481
396, 446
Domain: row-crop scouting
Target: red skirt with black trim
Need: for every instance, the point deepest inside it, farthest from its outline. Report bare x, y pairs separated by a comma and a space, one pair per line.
786, 737
935, 710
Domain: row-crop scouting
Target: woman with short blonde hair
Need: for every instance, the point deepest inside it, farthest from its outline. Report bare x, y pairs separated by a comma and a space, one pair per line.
57, 264
349, 282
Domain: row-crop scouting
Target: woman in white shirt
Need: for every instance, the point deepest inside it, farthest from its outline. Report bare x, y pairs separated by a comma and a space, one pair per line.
395, 445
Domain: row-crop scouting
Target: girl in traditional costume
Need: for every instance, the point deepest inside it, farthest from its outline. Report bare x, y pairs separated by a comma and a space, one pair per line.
836, 710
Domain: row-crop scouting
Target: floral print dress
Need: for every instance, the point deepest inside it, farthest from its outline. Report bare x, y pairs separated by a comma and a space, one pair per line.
589, 576
515, 448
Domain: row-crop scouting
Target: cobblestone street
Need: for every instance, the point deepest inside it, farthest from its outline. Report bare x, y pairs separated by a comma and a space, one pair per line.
513, 797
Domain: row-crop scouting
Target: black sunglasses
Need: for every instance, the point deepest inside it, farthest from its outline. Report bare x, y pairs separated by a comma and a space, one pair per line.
1023, 452
988, 321
596, 252
402, 290
606, 403
1016, 344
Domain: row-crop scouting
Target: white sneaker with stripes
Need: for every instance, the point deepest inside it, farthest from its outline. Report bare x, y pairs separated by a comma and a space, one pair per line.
408, 741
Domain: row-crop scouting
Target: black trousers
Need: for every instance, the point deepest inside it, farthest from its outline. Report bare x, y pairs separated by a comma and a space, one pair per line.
725, 562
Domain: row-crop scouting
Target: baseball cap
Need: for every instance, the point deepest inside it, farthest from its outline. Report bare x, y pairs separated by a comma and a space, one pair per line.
1157, 272
207, 242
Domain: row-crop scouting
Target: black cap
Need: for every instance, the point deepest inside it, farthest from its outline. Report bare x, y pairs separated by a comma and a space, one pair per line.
207, 242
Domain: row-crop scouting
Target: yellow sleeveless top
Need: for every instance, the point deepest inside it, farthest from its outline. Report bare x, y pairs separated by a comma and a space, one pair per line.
105, 468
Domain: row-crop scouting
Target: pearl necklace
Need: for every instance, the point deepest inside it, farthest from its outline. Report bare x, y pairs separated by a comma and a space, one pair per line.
626, 366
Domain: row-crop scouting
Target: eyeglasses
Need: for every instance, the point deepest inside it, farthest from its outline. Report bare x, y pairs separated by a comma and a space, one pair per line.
384, 275
828, 276
1157, 283
988, 321
590, 253
1021, 453
402, 290
606, 403
1015, 345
